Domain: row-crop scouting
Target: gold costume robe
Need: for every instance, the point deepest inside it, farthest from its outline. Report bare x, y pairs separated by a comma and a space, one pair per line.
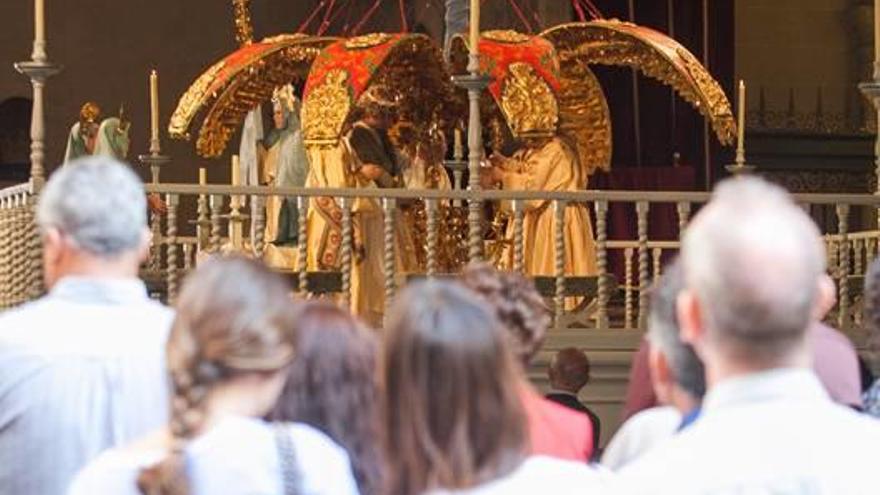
330, 167
552, 167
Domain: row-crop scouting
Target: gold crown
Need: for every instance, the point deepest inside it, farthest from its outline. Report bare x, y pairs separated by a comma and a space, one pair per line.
89, 113
284, 96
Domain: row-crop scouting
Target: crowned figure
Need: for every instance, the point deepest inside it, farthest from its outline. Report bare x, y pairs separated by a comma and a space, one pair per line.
546, 163
284, 164
84, 133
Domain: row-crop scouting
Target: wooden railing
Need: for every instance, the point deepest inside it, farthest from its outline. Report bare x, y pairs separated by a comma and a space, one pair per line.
20, 249
616, 303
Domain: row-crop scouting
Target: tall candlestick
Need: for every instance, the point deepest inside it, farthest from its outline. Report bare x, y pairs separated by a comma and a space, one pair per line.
236, 171
876, 39
203, 176
475, 27
39, 21
154, 111
741, 118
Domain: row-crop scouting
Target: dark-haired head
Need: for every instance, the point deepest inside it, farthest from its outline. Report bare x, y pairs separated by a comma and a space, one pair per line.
233, 329
517, 304
453, 415
332, 385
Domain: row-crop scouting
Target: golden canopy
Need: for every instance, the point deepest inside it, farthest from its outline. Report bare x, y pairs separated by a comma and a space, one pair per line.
230, 88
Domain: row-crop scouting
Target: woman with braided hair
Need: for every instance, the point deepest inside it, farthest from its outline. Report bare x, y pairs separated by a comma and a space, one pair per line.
229, 349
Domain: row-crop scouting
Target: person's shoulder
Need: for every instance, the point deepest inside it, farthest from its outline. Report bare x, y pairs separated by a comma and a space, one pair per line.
562, 414
114, 471
317, 453
539, 472
313, 442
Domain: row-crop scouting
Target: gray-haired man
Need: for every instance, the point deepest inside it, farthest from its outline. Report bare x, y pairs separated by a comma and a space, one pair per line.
82, 369
754, 268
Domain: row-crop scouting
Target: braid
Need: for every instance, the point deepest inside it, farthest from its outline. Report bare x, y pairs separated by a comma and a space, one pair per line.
168, 477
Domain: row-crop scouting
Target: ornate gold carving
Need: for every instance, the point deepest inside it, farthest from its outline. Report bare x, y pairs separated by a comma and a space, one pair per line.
506, 36
244, 29
191, 101
611, 42
584, 118
326, 108
367, 41
528, 103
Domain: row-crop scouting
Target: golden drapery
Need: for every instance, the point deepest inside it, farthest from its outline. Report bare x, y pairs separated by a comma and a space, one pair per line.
551, 167
330, 168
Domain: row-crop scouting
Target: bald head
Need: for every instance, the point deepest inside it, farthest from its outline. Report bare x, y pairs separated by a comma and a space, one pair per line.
754, 262
569, 370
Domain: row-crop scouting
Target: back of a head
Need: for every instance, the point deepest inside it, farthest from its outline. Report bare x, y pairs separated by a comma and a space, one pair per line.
98, 203
332, 385
664, 333
453, 414
872, 301
754, 260
234, 317
517, 304
570, 369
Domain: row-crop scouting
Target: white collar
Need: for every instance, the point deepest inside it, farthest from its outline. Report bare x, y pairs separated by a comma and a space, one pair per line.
95, 290
778, 384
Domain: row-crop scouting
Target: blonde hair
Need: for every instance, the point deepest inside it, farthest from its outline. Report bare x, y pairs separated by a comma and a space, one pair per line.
234, 317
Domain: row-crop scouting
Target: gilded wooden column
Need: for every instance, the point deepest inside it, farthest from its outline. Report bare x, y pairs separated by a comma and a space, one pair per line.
172, 274
684, 212
388, 215
628, 309
431, 226
203, 224
843, 266
216, 212
602, 263
559, 258
346, 252
302, 260
258, 243
642, 208
518, 236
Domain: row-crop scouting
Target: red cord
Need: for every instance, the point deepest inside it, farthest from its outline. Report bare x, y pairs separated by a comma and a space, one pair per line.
310, 18
325, 23
522, 17
404, 26
366, 17
580, 10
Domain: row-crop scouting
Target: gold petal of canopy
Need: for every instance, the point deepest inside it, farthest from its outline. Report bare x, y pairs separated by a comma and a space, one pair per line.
612, 42
229, 89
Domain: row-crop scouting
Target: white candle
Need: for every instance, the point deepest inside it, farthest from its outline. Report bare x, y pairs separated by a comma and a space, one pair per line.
741, 117
475, 27
154, 107
458, 149
236, 171
876, 31
40, 21
203, 176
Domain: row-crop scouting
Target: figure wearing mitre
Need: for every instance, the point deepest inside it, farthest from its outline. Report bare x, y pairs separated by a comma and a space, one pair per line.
546, 164
84, 133
284, 164
363, 158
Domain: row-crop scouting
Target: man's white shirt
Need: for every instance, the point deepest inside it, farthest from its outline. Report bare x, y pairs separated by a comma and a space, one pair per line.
81, 370
774, 432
